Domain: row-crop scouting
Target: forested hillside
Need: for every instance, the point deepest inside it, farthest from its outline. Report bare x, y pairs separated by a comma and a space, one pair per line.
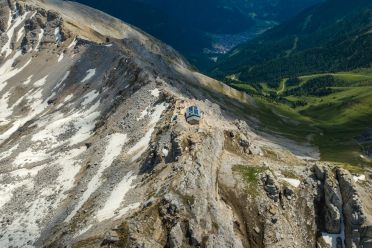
202, 30
332, 36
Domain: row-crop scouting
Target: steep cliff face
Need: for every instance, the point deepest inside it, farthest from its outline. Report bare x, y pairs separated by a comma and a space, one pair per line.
95, 150
345, 207
358, 225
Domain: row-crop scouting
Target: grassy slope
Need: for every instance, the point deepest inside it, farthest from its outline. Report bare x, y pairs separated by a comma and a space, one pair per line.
332, 121
333, 36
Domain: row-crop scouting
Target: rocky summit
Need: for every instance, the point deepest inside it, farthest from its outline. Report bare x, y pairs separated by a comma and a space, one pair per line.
95, 150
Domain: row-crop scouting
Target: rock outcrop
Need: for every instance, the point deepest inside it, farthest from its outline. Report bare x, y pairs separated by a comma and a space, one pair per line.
333, 203
271, 187
344, 214
358, 228
5, 16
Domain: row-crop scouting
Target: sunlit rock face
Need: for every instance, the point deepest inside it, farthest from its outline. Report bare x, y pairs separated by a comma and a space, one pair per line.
69, 133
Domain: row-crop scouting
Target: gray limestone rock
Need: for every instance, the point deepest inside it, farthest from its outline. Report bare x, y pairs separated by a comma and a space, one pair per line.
358, 228
271, 187
333, 204
176, 235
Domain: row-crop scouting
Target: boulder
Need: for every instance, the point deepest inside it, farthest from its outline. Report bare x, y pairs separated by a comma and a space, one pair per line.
110, 238
244, 143
271, 187
320, 172
175, 238
288, 192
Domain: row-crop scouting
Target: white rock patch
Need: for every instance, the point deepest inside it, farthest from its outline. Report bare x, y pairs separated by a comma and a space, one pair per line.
6, 192
7, 70
116, 197
143, 114
57, 34
28, 80
5, 110
115, 145
30, 156
73, 44
294, 182
82, 122
10, 33
85, 125
359, 178
20, 33
9, 21
68, 98
84, 230
90, 97
165, 152
155, 92
60, 57
60, 83
40, 37
37, 106
69, 167
25, 226
127, 209
3, 85
8, 153
90, 74
40, 82
141, 146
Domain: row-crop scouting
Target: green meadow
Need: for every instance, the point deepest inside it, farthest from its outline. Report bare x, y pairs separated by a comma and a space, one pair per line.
333, 109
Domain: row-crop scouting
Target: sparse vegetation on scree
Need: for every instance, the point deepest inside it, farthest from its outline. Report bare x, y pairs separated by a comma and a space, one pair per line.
250, 176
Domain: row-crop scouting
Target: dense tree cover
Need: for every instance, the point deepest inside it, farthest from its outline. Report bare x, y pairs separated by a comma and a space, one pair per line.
186, 25
293, 81
332, 36
319, 86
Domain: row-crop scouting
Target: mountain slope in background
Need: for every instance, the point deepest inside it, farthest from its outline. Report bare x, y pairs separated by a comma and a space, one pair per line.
332, 36
312, 74
202, 30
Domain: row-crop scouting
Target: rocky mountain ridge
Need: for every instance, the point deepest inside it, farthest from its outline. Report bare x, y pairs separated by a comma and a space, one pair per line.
95, 150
